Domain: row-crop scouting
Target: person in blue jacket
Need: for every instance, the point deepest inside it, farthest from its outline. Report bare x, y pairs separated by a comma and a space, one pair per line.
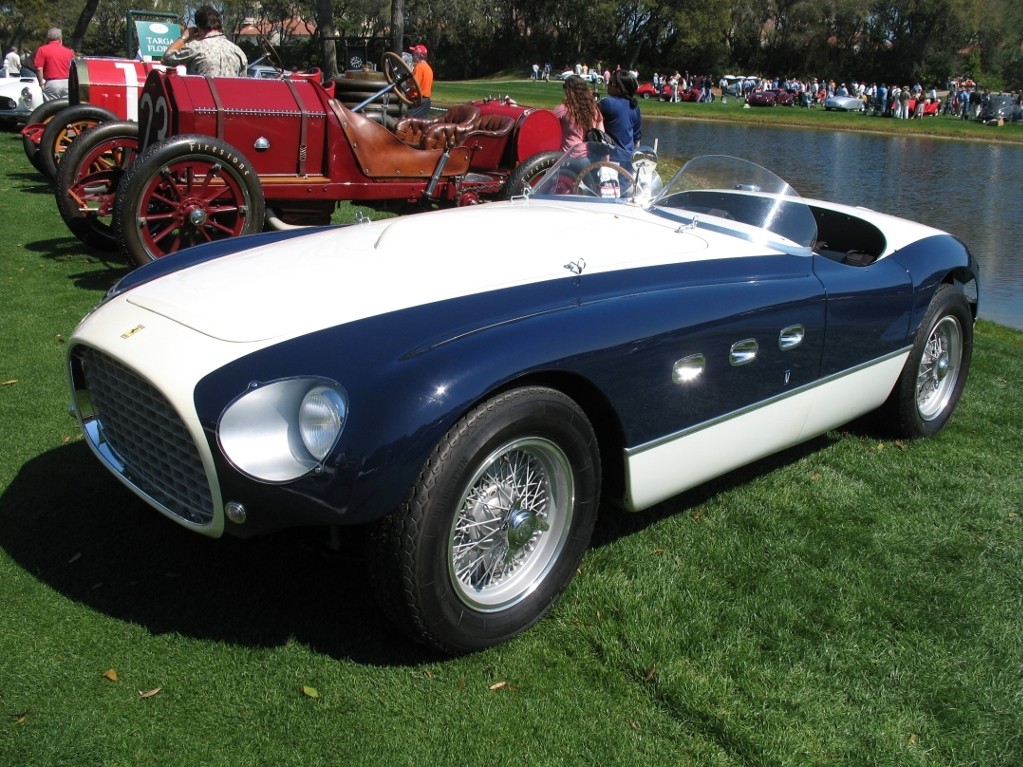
622, 119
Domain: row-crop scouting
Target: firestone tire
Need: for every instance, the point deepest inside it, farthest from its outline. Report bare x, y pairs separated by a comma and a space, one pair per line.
87, 180
41, 115
184, 191
528, 173
63, 129
932, 381
495, 526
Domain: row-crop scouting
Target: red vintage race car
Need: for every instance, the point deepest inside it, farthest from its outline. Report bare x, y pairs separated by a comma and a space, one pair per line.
215, 159
100, 90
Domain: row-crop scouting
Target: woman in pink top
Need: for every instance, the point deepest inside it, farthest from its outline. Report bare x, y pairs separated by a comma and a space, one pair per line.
578, 113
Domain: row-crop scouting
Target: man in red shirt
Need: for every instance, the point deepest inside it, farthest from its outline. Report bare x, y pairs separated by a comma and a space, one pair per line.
53, 62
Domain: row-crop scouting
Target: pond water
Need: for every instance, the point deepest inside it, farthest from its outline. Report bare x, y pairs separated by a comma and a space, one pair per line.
969, 188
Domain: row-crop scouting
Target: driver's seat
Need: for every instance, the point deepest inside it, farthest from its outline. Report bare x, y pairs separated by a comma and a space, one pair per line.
444, 130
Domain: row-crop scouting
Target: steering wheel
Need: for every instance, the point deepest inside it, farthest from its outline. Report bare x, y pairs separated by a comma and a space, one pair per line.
399, 74
270, 54
589, 180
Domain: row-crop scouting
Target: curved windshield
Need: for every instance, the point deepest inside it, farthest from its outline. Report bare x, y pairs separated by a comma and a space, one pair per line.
587, 171
726, 193
716, 192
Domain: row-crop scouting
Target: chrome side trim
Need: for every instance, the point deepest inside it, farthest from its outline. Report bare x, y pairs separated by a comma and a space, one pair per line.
667, 438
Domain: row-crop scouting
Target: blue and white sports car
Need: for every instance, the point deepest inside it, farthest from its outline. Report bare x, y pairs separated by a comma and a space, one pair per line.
473, 383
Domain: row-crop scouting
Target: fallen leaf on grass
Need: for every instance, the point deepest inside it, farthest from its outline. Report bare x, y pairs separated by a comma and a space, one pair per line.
310, 692
10, 382
502, 685
21, 718
149, 693
650, 674
110, 674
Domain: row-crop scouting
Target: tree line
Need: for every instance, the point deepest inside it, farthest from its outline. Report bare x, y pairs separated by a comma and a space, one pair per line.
904, 41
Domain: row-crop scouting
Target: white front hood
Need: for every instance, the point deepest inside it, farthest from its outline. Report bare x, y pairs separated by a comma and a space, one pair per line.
331, 277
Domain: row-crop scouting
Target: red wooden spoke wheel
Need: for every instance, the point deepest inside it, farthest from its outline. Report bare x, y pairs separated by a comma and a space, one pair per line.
87, 179
185, 191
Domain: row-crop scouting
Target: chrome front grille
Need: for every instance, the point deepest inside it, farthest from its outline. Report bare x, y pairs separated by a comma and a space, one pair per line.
135, 428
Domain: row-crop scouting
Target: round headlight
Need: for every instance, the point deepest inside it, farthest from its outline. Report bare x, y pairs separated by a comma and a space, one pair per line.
281, 430
321, 417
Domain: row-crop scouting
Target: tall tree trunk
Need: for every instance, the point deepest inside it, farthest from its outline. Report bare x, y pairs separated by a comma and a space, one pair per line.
325, 28
78, 36
397, 26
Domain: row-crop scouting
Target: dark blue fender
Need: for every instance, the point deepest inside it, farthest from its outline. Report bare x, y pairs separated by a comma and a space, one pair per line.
618, 334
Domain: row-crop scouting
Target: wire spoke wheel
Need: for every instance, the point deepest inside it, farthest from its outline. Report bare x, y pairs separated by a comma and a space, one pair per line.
511, 523
939, 367
492, 531
931, 383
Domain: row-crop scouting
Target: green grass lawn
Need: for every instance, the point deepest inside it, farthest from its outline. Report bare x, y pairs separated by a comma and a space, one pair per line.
855, 601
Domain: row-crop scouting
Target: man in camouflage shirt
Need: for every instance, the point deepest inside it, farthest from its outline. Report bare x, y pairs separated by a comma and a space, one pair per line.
204, 50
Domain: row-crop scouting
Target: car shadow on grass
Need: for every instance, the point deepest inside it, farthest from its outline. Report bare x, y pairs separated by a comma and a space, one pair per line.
79, 531
32, 182
66, 248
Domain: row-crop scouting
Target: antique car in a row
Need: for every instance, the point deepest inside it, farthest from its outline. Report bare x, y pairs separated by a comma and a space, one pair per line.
100, 89
211, 158
603, 342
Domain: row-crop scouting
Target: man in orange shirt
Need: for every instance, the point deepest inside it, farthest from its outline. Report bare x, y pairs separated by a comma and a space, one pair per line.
423, 73
53, 63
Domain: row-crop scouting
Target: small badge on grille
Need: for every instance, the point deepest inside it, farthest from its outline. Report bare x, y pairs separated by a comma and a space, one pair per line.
133, 331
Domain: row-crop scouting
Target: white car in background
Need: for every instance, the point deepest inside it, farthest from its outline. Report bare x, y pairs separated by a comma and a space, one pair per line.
18, 97
845, 103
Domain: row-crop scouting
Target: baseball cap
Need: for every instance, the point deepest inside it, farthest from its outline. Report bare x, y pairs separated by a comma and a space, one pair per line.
420, 49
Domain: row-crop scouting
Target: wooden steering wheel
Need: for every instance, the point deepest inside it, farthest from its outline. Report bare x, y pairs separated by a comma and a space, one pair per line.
589, 181
399, 74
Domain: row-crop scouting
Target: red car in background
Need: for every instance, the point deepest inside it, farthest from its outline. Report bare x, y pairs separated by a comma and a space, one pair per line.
771, 97
648, 91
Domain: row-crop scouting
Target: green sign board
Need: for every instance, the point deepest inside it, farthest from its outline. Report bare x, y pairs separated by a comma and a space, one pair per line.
154, 37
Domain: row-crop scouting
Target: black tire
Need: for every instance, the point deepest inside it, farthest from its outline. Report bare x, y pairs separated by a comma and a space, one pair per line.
932, 381
40, 116
477, 554
63, 129
184, 191
87, 180
527, 174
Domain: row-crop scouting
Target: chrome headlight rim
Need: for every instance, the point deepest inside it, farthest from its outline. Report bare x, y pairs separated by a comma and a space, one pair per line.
281, 430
